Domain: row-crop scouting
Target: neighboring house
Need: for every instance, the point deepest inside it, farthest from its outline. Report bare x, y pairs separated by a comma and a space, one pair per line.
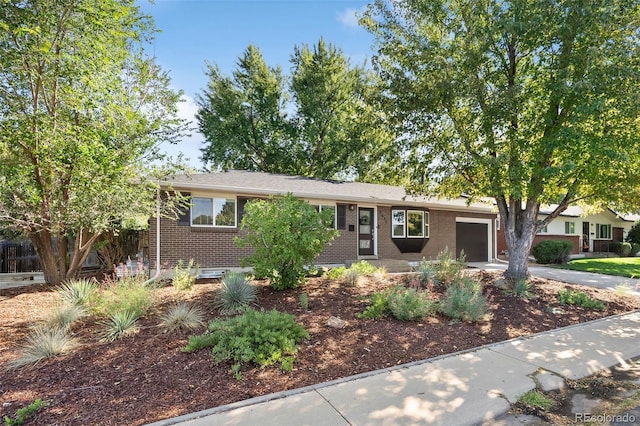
586, 232
375, 221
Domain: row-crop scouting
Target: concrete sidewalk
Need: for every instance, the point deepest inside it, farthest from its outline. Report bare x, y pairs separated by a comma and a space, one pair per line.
468, 388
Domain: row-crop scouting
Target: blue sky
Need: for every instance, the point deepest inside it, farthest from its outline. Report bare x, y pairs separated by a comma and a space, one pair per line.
194, 32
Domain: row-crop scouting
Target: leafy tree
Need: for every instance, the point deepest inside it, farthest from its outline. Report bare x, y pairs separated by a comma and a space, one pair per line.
528, 102
81, 109
319, 123
286, 234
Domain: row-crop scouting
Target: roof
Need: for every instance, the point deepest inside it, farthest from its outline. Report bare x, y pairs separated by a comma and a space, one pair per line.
264, 184
577, 211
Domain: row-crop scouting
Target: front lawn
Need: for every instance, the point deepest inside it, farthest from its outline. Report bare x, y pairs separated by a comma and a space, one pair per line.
620, 266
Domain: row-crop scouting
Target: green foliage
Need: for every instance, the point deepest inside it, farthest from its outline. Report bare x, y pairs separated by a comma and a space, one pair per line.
120, 324
621, 248
635, 249
364, 267
255, 336
355, 273
521, 288
633, 236
25, 413
537, 400
427, 271
552, 251
128, 294
410, 304
464, 301
620, 266
63, 316
318, 122
303, 298
197, 343
78, 292
182, 316
378, 306
286, 235
580, 298
81, 119
490, 107
183, 279
43, 343
353, 278
335, 273
448, 269
236, 293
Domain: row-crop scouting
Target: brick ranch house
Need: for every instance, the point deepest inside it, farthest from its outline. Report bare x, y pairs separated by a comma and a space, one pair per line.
588, 233
375, 221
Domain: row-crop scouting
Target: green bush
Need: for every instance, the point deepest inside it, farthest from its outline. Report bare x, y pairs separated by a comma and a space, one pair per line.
286, 234
120, 324
335, 273
378, 306
128, 294
552, 251
182, 316
183, 279
24, 413
78, 292
255, 336
464, 300
427, 271
521, 288
633, 236
579, 298
448, 269
409, 304
622, 249
364, 268
236, 293
635, 248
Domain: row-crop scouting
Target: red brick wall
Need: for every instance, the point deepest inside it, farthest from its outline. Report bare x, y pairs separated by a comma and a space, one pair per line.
215, 247
573, 239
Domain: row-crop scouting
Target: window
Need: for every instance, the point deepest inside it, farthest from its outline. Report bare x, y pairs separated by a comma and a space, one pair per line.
219, 212
397, 223
569, 228
331, 224
544, 230
603, 232
409, 223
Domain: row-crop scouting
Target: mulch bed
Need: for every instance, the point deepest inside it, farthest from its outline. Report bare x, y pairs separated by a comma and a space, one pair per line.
146, 377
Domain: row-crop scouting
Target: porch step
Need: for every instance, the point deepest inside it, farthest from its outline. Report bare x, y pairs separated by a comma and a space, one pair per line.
390, 265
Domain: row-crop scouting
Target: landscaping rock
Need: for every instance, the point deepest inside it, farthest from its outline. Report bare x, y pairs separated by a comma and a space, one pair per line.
502, 284
336, 322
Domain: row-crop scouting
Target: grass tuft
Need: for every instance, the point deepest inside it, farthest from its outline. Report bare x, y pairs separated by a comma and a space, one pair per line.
119, 325
182, 316
78, 292
43, 343
236, 293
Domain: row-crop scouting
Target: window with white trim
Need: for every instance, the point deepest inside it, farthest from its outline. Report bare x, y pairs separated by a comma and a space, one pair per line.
331, 224
217, 212
409, 224
569, 227
603, 231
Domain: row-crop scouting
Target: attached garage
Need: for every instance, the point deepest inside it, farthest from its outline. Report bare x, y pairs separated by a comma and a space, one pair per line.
474, 237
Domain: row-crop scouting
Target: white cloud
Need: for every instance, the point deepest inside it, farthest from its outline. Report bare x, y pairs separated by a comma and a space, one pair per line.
349, 17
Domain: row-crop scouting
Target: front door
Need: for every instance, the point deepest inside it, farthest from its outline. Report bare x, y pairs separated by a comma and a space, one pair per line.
366, 228
585, 236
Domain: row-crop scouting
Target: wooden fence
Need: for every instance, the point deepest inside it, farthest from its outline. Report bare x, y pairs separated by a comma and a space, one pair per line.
18, 256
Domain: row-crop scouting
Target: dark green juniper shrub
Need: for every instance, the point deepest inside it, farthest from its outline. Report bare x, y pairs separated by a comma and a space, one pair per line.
254, 336
552, 251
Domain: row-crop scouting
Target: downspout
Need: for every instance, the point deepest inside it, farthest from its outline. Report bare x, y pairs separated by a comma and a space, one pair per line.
157, 274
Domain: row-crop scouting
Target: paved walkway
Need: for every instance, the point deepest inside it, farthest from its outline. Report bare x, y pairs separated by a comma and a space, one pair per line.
468, 388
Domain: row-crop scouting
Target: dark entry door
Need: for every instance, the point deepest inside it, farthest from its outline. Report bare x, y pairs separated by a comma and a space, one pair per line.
472, 238
366, 228
585, 236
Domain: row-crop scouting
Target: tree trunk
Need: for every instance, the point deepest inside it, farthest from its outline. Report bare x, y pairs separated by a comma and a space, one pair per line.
43, 243
520, 227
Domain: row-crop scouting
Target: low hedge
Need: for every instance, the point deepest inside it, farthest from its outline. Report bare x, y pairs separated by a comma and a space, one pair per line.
552, 251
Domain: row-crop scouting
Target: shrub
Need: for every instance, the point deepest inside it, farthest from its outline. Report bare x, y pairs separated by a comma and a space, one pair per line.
78, 292
521, 288
128, 294
42, 343
448, 268
552, 251
24, 413
183, 279
580, 298
119, 325
254, 336
236, 293
464, 300
354, 278
63, 316
286, 234
182, 316
633, 236
409, 304
622, 249
427, 271
635, 248
364, 268
303, 298
197, 343
377, 308
335, 273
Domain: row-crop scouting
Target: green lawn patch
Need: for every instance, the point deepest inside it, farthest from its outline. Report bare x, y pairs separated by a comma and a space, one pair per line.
620, 266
